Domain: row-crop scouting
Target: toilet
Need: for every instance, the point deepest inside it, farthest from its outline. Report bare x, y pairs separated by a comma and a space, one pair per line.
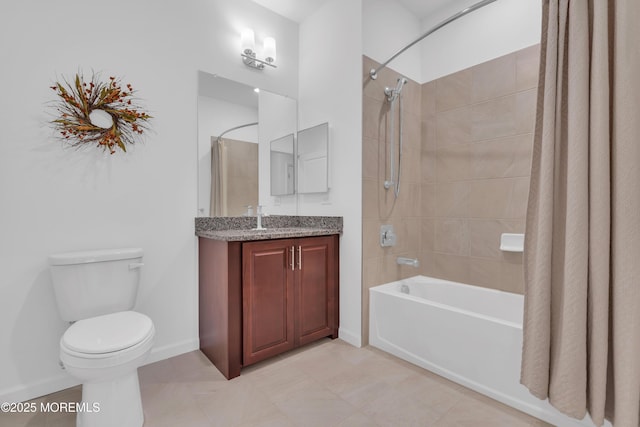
107, 341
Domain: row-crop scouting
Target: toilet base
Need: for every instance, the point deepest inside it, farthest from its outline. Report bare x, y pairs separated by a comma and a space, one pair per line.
118, 401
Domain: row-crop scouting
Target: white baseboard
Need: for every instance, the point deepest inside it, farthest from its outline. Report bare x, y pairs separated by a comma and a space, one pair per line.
22, 392
34, 389
349, 337
172, 350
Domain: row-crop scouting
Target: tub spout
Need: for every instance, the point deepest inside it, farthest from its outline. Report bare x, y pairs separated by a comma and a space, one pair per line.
413, 262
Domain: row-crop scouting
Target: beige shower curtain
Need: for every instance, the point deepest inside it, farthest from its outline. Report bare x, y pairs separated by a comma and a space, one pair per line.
218, 202
582, 250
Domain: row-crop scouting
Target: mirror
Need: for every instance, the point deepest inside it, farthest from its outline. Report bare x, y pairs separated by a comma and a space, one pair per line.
313, 154
236, 124
282, 170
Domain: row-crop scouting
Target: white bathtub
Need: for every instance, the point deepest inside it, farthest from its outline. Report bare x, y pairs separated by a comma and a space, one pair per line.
468, 334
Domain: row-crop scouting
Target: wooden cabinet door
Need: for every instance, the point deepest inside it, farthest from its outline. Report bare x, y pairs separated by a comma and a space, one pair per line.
268, 299
316, 298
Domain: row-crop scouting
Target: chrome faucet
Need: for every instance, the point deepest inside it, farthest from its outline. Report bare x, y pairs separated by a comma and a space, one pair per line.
413, 262
259, 216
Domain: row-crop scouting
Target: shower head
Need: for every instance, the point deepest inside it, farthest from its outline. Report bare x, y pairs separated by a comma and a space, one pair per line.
392, 93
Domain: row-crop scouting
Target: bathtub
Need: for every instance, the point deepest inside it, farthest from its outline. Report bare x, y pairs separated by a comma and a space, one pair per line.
468, 334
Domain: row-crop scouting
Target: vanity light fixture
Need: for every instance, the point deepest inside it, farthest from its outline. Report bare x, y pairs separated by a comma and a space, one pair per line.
247, 43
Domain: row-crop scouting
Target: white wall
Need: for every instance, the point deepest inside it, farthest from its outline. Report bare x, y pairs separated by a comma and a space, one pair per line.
56, 199
331, 91
387, 27
495, 30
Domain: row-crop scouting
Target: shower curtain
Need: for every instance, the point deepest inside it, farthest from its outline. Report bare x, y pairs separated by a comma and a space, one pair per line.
582, 250
218, 203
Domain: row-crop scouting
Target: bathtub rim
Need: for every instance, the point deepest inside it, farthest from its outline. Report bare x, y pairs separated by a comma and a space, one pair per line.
390, 289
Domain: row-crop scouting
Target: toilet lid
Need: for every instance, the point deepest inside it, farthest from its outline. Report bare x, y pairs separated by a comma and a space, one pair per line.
108, 333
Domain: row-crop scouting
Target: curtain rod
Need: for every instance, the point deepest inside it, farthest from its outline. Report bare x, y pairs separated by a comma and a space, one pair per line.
235, 128
374, 71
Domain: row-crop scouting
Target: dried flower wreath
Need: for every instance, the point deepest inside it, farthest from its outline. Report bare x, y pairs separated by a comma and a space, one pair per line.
101, 113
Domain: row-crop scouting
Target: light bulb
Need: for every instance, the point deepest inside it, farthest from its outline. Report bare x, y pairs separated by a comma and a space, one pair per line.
270, 49
247, 42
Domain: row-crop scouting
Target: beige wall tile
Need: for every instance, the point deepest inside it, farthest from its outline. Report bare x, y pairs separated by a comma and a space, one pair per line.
512, 274
495, 118
527, 64
428, 131
427, 235
502, 157
451, 267
427, 167
370, 196
389, 269
411, 130
413, 236
484, 272
454, 90
494, 78
402, 234
427, 264
518, 206
453, 162
411, 167
372, 162
452, 199
428, 99
373, 89
453, 127
452, 236
504, 198
526, 111
428, 154
410, 199
412, 97
373, 119
371, 272
428, 200
371, 248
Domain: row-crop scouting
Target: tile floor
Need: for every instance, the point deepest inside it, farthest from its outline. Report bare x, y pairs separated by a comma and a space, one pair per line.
329, 383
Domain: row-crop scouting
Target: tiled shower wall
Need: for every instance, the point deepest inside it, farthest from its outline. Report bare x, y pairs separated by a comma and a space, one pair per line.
465, 174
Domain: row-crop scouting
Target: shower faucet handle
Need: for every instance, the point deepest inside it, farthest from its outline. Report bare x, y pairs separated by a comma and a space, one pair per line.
387, 236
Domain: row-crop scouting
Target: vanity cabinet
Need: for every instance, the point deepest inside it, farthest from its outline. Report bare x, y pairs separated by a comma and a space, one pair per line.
261, 298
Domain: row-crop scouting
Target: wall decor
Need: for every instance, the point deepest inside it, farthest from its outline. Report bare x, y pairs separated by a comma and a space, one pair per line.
98, 113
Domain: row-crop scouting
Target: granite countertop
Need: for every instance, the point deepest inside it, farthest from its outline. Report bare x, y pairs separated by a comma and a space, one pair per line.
276, 227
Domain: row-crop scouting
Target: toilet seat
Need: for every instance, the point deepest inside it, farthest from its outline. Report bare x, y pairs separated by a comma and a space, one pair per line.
107, 341
107, 333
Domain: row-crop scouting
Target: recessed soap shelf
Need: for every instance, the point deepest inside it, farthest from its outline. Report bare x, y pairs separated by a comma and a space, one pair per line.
512, 242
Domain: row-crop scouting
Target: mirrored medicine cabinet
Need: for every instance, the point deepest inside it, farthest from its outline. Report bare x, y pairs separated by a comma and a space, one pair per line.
313, 155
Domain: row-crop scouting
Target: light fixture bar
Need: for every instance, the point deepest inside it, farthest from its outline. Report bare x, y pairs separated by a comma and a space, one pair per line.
251, 61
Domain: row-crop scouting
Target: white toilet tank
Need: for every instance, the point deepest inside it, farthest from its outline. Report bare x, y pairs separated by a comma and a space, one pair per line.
92, 283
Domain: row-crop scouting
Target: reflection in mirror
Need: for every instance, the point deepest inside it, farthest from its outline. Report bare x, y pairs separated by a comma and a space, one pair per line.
282, 172
313, 167
233, 173
234, 176
227, 150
